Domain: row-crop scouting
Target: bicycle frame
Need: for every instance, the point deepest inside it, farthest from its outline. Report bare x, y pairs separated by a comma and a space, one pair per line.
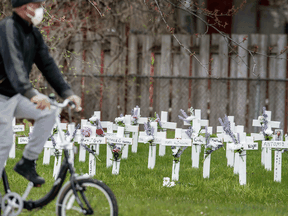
52, 194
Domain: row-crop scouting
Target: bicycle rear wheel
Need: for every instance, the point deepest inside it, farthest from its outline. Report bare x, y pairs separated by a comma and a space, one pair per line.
99, 196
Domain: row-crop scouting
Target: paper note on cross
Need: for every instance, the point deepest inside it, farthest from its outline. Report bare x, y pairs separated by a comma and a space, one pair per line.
178, 143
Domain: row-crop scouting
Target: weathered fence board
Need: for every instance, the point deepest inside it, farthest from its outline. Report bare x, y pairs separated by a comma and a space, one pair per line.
279, 72
257, 89
146, 68
132, 70
201, 95
219, 69
180, 87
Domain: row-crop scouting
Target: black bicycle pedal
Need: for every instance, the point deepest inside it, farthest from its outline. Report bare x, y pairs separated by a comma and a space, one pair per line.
37, 185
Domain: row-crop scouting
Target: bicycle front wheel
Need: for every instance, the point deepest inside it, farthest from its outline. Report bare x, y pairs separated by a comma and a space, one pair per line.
97, 194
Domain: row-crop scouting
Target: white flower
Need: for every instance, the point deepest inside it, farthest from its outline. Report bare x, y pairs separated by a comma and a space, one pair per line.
189, 118
191, 110
93, 118
166, 181
175, 150
261, 118
269, 132
171, 184
119, 119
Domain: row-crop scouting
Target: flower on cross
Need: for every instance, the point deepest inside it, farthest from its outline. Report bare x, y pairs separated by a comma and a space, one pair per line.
186, 118
135, 116
86, 132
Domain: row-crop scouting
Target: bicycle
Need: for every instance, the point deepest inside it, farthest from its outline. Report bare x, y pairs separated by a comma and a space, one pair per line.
75, 195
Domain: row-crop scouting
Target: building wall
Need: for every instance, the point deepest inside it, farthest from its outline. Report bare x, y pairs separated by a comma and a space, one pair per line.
254, 17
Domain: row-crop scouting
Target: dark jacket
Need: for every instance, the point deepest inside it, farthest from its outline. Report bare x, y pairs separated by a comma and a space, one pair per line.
21, 45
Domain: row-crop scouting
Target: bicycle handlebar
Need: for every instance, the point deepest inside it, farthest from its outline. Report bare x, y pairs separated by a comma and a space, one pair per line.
64, 104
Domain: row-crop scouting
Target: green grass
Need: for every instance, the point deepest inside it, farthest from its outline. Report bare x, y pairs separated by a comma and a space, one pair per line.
139, 191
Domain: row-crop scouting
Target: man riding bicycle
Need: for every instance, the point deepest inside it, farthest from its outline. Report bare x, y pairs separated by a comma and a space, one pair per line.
22, 45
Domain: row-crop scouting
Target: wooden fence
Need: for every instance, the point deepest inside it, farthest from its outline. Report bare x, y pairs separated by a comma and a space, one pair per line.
157, 74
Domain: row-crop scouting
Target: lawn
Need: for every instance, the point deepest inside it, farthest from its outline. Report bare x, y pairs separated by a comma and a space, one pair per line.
139, 190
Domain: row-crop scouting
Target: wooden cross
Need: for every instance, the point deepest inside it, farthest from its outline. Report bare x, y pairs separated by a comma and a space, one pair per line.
245, 143
82, 150
93, 141
120, 141
129, 128
157, 139
141, 120
198, 123
25, 140
109, 133
178, 142
278, 144
221, 134
214, 143
16, 128
266, 159
165, 125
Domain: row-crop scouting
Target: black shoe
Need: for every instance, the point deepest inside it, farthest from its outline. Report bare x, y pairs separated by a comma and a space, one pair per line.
27, 168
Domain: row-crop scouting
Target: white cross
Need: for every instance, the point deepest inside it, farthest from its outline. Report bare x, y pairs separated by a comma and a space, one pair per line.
221, 134
94, 140
16, 128
129, 128
82, 150
48, 147
265, 153
197, 140
165, 125
246, 143
109, 133
120, 141
25, 140
214, 144
178, 142
278, 144
158, 136
135, 135
57, 161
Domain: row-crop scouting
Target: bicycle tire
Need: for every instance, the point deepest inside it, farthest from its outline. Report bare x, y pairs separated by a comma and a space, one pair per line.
64, 208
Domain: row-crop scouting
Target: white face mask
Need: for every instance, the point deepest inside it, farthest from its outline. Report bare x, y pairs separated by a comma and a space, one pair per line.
37, 19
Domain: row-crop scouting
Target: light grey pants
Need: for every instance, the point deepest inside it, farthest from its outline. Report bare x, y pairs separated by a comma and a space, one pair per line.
21, 107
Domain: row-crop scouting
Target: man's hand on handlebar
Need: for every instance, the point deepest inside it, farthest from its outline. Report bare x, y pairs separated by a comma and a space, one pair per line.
41, 100
77, 101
